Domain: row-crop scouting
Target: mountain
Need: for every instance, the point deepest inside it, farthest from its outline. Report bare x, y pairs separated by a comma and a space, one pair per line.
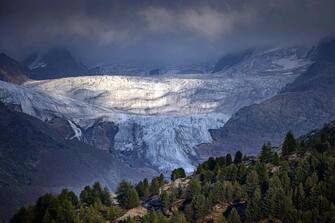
155, 121
12, 71
301, 106
230, 60
35, 158
56, 63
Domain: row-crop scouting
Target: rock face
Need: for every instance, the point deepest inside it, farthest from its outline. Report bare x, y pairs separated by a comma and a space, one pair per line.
36, 159
301, 106
12, 71
101, 135
56, 63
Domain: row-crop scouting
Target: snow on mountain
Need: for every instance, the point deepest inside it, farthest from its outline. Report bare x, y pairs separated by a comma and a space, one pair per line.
273, 61
160, 119
77, 131
144, 70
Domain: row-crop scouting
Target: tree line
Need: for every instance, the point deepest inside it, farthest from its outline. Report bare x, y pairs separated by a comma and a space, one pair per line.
294, 184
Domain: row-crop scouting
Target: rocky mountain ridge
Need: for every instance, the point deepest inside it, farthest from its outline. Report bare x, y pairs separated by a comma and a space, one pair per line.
12, 71
301, 106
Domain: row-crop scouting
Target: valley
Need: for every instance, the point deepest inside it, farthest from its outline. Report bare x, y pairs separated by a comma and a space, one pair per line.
160, 119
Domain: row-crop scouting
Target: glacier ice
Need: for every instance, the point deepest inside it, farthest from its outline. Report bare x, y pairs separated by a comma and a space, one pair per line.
161, 118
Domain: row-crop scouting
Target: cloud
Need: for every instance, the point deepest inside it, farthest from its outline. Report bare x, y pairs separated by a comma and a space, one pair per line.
207, 22
122, 30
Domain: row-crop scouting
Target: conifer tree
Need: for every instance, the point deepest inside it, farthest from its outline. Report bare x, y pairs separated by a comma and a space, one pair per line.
266, 155
142, 189
179, 218
228, 159
289, 144
234, 217
178, 173
161, 180
155, 186
130, 220
200, 207
127, 195
252, 182
299, 197
193, 189
238, 157
218, 192
254, 211
165, 200
146, 190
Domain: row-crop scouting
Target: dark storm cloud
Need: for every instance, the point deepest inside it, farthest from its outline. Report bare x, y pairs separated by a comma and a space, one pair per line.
159, 31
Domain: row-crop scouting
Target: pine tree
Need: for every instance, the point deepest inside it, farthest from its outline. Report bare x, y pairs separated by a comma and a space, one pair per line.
142, 189
133, 199
200, 208
165, 200
238, 157
275, 198
218, 193
161, 180
289, 144
299, 197
197, 209
241, 173
70, 196
146, 190
311, 182
24, 215
193, 189
127, 195
178, 173
229, 191
179, 218
90, 215
130, 220
285, 181
267, 155
154, 187
252, 182
276, 159
234, 217
228, 159
254, 211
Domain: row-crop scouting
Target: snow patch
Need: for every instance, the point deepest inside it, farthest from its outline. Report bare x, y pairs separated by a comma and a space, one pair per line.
77, 131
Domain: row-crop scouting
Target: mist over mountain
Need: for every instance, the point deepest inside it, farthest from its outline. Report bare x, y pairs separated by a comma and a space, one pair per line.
159, 32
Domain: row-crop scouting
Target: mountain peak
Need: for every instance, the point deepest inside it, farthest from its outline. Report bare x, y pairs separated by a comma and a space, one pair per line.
12, 70
56, 63
324, 51
232, 59
5, 57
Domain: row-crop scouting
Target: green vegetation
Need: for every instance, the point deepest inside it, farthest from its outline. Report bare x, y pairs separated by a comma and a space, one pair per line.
178, 173
297, 185
127, 195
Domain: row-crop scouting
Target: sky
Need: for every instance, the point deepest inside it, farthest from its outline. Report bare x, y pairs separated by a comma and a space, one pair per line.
159, 32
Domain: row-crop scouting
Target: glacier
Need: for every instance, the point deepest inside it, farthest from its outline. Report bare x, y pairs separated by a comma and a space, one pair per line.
160, 118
